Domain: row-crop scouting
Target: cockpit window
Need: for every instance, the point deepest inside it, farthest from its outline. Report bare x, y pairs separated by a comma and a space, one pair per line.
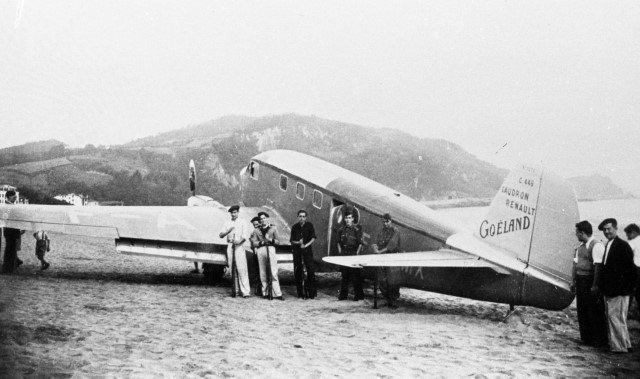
252, 169
283, 182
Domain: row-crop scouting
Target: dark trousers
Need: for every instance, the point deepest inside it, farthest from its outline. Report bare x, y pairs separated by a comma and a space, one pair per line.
10, 261
388, 279
253, 268
348, 274
306, 256
591, 315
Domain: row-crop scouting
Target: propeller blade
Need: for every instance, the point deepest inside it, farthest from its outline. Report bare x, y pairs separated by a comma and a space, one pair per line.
192, 177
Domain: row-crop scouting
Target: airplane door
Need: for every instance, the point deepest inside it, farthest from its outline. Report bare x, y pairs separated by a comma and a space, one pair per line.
336, 221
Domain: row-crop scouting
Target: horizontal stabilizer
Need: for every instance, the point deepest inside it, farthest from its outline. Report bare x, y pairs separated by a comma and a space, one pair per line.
437, 258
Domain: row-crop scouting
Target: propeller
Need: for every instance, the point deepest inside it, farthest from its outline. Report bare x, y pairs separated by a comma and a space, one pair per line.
192, 177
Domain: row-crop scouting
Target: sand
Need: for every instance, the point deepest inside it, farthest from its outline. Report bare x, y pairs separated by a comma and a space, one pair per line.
96, 313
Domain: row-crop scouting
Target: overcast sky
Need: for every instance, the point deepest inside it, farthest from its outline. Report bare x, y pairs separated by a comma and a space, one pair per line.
551, 82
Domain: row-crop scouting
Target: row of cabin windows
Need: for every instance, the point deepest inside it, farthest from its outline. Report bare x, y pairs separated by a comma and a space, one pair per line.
253, 169
300, 189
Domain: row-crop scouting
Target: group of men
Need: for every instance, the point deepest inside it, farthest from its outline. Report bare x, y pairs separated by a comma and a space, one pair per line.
247, 250
13, 243
350, 243
262, 253
605, 277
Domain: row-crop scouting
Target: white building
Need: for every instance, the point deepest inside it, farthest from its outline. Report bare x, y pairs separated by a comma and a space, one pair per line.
73, 199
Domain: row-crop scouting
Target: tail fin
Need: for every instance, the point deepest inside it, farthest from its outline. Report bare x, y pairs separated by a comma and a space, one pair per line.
533, 216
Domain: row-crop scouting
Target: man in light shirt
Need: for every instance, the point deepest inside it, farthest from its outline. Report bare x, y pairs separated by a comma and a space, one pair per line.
587, 271
237, 233
633, 231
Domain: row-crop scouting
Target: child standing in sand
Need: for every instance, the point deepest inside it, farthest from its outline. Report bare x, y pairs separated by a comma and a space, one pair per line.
42, 246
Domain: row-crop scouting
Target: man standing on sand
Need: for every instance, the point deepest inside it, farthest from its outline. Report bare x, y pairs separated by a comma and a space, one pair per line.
388, 242
237, 234
265, 240
11, 239
350, 243
253, 264
618, 281
633, 231
587, 271
302, 237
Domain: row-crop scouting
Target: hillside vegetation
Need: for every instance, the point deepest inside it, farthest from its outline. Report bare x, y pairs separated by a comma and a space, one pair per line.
153, 170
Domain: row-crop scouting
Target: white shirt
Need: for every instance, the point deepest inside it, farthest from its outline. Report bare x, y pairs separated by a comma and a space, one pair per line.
240, 231
635, 246
596, 254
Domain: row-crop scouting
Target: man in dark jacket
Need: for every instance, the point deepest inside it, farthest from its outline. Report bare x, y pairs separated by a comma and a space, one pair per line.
302, 237
618, 282
388, 242
350, 243
11, 237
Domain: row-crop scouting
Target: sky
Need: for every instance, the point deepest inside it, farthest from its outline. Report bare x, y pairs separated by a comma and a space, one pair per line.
550, 82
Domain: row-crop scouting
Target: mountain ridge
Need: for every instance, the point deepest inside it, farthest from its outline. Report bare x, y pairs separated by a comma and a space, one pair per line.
153, 170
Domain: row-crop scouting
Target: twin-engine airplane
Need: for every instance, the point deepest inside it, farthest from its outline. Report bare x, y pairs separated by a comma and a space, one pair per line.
519, 254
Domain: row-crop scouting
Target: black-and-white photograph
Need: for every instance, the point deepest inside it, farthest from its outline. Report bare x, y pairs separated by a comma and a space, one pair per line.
319, 189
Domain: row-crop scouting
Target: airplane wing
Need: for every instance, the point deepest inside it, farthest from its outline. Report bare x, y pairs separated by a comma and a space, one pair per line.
437, 258
188, 233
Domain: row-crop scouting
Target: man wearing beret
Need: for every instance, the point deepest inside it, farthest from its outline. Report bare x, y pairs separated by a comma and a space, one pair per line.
350, 243
11, 239
618, 281
237, 233
388, 242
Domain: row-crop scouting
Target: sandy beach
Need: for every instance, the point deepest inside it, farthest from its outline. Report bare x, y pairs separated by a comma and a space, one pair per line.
96, 313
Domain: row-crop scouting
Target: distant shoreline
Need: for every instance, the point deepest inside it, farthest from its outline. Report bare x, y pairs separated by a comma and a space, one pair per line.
485, 202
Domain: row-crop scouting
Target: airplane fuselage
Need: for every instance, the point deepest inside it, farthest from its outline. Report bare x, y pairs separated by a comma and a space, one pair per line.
290, 182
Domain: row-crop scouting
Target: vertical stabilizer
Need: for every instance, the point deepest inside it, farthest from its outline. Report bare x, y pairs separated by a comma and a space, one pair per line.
533, 216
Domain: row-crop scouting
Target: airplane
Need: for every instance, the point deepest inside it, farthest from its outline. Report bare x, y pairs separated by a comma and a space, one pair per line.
521, 253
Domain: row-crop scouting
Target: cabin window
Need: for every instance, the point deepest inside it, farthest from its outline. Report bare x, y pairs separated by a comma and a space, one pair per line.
317, 199
283, 182
300, 191
253, 170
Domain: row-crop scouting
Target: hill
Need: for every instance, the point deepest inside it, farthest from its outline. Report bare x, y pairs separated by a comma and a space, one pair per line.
596, 187
153, 170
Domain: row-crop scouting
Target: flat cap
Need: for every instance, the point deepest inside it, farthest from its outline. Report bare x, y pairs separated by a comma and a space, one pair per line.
386, 217
608, 221
234, 208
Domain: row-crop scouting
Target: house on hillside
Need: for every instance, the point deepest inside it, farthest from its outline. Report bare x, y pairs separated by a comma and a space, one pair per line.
4, 188
73, 199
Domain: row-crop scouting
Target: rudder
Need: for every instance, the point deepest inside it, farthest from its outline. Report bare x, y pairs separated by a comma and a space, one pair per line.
533, 216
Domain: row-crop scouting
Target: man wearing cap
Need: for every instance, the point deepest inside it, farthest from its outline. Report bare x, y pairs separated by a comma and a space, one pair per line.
11, 237
350, 243
618, 281
388, 242
587, 271
237, 233
265, 240
302, 236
